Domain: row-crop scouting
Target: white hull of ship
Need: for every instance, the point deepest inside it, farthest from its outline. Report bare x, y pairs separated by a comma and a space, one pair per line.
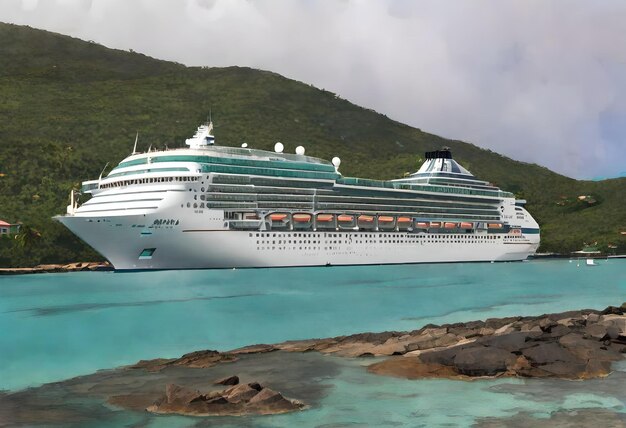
199, 244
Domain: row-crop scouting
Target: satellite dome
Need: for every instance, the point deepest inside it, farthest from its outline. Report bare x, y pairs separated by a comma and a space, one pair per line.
336, 161
244, 145
300, 150
278, 147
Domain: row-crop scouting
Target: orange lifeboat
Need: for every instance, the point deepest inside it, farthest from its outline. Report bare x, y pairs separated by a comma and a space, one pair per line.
404, 220
465, 225
385, 219
423, 224
345, 218
302, 218
366, 218
449, 225
435, 224
325, 218
278, 217
494, 225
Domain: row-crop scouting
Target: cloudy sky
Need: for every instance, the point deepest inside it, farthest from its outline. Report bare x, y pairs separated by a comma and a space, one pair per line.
541, 81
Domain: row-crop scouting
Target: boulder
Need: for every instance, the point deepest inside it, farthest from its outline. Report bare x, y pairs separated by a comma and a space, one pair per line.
229, 380
509, 342
613, 310
546, 353
483, 361
596, 331
546, 324
428, 342
242, 392
592, 318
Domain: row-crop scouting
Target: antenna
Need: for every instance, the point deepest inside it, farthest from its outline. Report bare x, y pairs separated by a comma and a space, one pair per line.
105, 167
135, 147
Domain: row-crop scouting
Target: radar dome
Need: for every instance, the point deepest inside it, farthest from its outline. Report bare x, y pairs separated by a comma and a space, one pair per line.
244, 145
300, 150
336, 161
278, 147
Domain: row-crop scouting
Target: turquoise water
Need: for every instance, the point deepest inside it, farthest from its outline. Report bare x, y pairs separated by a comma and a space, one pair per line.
58, 326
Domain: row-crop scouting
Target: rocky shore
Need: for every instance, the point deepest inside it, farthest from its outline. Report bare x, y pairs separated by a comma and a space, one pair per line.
57, 268
572, 345
569, 345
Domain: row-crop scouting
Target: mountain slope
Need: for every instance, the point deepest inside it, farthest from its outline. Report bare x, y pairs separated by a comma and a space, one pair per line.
68, 107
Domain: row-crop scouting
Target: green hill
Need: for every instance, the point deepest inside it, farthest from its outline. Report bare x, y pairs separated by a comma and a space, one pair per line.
67, 107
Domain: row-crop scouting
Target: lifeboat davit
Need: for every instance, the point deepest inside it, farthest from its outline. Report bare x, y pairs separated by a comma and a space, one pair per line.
302, 218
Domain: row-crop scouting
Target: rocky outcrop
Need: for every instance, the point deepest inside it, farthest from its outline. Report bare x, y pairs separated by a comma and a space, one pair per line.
570, 345
198, 359
240, 399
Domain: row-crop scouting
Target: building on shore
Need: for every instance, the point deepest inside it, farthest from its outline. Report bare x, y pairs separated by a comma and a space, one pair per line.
8, 229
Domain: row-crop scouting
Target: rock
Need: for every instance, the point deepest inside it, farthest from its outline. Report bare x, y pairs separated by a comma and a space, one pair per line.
596, 331
242, 392
546, 324
428, 342
198, 359
250, 398
509, 342
229, 380
592, 318
179, 394
559, 330
412, 368
483, 361
266, 396
613, 310
546, 353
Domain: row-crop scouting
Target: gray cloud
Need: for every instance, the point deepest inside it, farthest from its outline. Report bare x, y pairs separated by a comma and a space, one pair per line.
538, 80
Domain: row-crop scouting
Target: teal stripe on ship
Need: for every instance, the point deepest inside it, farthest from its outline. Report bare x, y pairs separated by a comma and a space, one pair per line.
304, 166
269, 171
143, 171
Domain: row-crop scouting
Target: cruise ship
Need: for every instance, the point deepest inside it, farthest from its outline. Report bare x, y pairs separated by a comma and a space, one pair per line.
211, 206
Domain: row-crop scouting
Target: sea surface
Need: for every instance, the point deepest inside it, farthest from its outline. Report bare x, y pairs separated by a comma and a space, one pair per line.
57, 326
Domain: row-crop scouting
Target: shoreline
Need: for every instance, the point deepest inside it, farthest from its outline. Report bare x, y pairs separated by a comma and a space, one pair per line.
107, 267
59, 268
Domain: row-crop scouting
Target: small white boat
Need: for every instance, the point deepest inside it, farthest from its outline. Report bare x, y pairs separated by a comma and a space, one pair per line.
591, 262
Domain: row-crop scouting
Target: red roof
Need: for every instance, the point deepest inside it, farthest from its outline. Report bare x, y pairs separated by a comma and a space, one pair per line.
4, 223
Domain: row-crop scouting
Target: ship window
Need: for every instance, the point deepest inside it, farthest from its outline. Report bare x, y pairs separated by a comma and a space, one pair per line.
147, 253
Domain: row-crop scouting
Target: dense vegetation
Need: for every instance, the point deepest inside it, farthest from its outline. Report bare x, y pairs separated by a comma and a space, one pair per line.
67, 107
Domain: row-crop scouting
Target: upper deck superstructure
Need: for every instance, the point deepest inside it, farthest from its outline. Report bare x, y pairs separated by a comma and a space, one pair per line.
241, 192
